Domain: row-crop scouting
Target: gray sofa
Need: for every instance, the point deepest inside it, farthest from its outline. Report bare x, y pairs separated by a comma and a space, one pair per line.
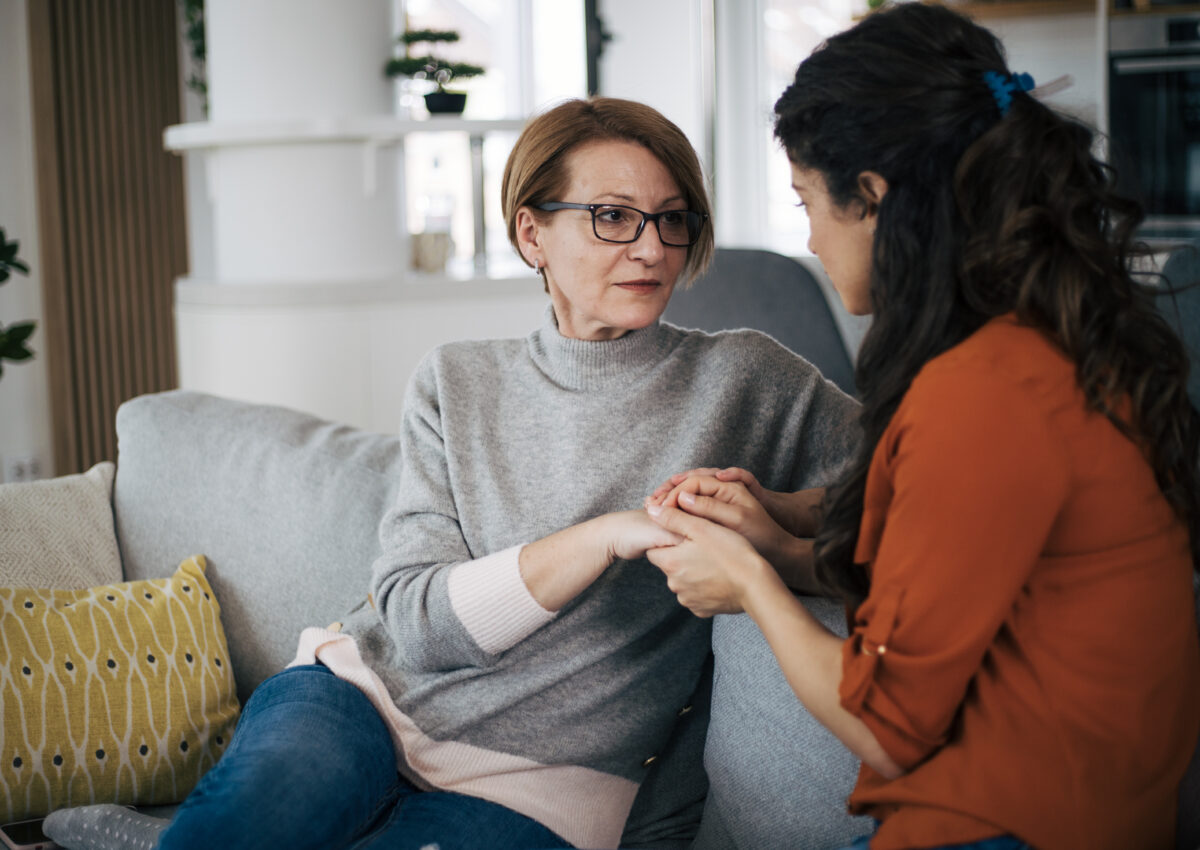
284, 506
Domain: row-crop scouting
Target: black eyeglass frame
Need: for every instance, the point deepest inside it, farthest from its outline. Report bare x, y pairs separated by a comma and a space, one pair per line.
555, 206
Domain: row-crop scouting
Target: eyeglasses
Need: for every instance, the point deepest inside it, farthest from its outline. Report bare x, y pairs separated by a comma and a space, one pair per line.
619, 223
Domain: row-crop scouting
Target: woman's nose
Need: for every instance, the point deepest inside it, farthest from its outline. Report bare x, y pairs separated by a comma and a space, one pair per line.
649, 245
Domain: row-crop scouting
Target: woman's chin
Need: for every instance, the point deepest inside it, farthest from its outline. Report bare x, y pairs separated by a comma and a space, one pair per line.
635, 320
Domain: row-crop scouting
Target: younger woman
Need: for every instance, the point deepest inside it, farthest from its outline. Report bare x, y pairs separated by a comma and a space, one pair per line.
1017, 537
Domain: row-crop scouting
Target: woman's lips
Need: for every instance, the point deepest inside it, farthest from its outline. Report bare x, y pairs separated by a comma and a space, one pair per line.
640, 287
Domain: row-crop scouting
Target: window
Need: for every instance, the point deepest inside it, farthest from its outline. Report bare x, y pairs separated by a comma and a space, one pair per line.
759, 43
791, 32
535, 55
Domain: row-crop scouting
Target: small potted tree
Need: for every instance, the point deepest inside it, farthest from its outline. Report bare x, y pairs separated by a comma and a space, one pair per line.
434, 69
13, 337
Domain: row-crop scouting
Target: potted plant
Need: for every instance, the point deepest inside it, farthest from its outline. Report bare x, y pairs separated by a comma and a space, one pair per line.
13, 337
433, 68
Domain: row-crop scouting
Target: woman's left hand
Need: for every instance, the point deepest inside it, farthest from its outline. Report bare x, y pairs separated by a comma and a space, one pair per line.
714, 569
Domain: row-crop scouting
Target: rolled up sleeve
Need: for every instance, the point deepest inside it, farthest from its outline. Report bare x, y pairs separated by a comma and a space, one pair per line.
963, 491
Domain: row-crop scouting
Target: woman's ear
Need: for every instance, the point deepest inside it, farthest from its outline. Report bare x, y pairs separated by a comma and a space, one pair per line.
872, 186
529, 233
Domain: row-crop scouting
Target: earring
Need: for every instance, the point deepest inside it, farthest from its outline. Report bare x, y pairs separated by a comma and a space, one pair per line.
537, 267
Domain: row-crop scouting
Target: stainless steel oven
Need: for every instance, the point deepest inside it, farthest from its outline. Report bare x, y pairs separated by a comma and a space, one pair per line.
1154, 117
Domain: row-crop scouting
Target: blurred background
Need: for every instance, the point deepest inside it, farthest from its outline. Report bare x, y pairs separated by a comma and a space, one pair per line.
233, 196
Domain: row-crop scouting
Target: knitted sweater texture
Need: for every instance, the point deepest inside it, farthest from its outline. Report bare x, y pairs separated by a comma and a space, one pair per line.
554, 714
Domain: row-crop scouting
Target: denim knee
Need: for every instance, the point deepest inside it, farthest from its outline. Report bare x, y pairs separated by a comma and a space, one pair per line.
311, 764
306, 720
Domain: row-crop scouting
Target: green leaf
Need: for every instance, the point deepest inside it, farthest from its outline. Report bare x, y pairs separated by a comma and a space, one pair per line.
16, 353
430, 36
465, 69
21, 331
8, 258
13, 349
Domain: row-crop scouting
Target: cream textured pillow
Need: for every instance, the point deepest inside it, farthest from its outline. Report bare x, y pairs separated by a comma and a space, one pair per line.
59, 532
116, 694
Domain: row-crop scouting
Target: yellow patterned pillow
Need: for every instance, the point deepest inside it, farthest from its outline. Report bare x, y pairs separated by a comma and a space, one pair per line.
116, 694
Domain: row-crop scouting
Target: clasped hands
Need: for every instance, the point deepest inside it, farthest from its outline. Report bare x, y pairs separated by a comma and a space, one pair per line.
736, 539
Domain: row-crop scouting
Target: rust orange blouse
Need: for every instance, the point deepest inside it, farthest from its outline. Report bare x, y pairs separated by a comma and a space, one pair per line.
1028, 650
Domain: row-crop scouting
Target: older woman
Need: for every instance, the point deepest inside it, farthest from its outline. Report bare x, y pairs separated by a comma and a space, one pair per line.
522, 664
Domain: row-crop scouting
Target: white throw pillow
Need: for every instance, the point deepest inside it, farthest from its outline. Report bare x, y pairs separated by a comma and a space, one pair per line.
59, 533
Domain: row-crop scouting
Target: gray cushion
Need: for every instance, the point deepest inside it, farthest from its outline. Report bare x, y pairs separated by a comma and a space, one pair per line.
285, 506
750, 288
777, 777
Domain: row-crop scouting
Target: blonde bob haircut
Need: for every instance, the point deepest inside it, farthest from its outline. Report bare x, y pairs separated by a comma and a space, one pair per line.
537, 170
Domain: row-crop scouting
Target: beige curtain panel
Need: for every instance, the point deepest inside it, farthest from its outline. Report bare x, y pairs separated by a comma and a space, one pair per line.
106, 82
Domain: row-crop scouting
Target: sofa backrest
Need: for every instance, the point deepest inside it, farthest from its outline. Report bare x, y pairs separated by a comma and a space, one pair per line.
766, 291
285, 506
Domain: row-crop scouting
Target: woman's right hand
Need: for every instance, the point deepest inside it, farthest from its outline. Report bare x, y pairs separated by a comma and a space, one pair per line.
631, 533
560, 566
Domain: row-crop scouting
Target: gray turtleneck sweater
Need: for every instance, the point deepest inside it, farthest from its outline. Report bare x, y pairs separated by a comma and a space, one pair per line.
506, 441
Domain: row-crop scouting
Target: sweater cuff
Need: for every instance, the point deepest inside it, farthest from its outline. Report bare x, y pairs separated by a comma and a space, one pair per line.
490, 599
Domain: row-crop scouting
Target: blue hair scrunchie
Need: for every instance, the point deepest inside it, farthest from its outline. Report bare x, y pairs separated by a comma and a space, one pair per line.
1003, 86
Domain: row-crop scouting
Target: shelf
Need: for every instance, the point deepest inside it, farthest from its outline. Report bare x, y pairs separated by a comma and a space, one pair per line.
992, 9
288, 295
1024, 8
1181, 9
372, 134
374, 130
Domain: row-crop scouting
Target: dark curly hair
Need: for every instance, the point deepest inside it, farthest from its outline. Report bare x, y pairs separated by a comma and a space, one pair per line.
984, 215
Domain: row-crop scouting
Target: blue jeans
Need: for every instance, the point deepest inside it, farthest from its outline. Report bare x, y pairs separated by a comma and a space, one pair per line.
311, 765
999, 842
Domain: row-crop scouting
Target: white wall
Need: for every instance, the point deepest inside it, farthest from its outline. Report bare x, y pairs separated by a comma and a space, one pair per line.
1049, 46
659, 55
24, 387
371, 338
